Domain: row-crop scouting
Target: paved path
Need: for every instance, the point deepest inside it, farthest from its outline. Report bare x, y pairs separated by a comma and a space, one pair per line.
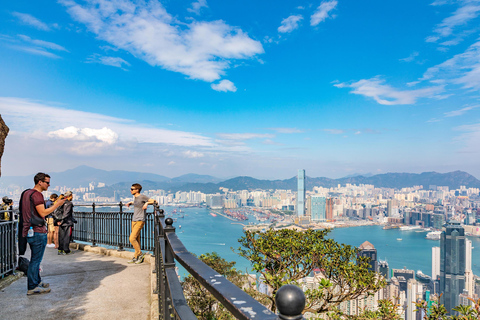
84, 286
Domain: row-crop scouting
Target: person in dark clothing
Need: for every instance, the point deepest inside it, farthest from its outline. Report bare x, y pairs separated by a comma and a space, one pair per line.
65, 225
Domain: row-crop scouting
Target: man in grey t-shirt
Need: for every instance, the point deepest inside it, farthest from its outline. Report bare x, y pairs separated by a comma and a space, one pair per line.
140, 203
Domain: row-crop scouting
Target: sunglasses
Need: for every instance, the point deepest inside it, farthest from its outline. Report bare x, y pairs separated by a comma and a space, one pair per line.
131, 189
47, 182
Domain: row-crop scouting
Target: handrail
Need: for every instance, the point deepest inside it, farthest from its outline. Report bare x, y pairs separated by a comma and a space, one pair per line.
168, 248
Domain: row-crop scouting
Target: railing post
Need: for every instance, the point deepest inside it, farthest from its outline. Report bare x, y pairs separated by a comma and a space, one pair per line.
120, 232
94, 240
169, 263
290, 301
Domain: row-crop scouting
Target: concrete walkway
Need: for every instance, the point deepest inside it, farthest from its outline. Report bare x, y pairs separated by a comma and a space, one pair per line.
84, 285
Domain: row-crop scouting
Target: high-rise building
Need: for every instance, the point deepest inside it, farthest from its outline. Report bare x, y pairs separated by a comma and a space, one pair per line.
368, 250
452, 264
435, 263
469, 278
389, 208
413, 289
301, 193
329, 209
384, 269
317, 209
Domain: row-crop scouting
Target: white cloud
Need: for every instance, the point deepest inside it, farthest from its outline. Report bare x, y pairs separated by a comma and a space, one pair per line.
50, 119
34, 46
456, 113
287, 130
171, 163
41, 43
30, 20
384, 94
467, 11
197, 6
470, 139
108, 61
289, 24
334, 131
462, 69
411, 57
200, 50
244, 136
323, 12
224, 86
84, 134
193, 154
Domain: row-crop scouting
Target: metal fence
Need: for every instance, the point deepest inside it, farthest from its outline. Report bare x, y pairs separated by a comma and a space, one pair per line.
8, 245
111, 228
172, 304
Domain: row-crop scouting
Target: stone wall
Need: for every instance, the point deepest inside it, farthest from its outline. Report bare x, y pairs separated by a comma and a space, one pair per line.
3, 135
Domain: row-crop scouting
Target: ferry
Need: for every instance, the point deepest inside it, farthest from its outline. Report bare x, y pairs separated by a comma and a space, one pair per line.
408, 228
213, 214
434, 235
422, 277
399, 239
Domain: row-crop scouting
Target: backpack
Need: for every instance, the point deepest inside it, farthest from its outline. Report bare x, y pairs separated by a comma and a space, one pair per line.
58, 213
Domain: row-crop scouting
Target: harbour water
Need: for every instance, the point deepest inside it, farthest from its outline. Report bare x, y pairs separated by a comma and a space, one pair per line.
200, 232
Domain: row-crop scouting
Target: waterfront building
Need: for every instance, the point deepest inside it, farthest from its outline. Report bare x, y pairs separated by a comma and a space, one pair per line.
368, 250
329, 209
435, 263
438, 220
301, 193
452, 264
317, 208
389, 208
215, 201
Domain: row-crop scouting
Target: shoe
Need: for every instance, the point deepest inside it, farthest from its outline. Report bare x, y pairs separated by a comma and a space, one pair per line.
140, 258
44, 285
38, 290
134, 260
51, 245
69, 252
61, 253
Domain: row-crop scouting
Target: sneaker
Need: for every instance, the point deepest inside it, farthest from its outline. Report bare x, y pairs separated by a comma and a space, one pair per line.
140, 258
38, 290
51, 245
61, 253
44, 284
134, 260
69, 252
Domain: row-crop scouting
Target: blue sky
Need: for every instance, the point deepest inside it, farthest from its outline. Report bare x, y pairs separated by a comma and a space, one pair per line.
231, 88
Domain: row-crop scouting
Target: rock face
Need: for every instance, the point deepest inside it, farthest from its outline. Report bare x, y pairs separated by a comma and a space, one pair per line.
3, 135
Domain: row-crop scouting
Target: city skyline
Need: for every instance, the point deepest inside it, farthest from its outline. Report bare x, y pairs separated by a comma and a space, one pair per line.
241, 89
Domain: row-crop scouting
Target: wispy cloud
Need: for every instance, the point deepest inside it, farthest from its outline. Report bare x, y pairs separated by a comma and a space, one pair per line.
334, 131
463, 69
197, 6
411, 57
224, 86
456, 113
244, 136
193, 154
200, 50
323, 12
30, 20
468, 10
286, 130
470, 138
108, 61
386, 95
289, 24
34, 46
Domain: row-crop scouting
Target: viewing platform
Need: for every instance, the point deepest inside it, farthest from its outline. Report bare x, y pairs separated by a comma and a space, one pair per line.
85, 285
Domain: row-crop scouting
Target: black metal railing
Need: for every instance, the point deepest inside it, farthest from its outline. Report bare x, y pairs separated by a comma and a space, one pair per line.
110, 228
171, 300
8, 245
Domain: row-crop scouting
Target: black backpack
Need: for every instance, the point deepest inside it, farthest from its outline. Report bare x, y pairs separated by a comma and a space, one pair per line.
58, 213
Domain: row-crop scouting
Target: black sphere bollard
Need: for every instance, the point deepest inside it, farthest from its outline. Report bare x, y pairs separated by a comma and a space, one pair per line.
290, 302
169, 222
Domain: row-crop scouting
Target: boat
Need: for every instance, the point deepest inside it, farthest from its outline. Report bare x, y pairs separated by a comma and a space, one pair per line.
422, 277
399, 239
409, 228
434, 235
213, 214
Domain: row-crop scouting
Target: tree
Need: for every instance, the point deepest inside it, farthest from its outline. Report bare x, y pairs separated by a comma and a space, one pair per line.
285, 256
387, 310
205, 305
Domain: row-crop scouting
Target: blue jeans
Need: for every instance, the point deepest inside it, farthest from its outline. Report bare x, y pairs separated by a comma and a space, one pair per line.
37, 245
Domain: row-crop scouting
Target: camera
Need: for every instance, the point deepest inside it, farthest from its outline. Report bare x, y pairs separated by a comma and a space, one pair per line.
7, 201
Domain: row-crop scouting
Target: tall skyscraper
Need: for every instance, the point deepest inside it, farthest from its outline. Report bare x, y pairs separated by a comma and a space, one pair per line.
469, 279
452, 264
317, 209
301, 193
368, 250
329, 209
389, 208
435, 263
413, 289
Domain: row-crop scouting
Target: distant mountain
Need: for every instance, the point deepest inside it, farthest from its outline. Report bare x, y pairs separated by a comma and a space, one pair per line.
367, 175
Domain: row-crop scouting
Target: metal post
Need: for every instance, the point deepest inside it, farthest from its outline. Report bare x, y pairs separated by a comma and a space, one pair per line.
94, 240
290, 301
120, 233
